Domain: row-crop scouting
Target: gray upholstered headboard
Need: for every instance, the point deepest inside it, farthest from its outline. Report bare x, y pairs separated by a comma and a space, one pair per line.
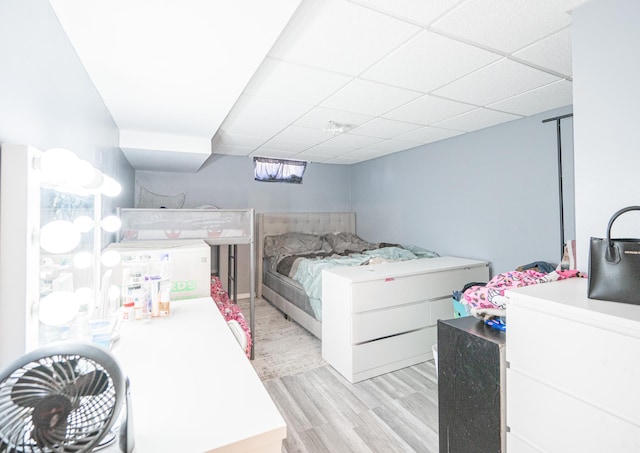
269, 224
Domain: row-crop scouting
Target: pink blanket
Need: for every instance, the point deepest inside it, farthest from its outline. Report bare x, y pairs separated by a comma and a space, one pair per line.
229, 310
492, 295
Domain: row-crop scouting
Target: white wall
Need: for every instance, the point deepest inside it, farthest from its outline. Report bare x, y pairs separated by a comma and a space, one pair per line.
606, 39
46, 97
47, 100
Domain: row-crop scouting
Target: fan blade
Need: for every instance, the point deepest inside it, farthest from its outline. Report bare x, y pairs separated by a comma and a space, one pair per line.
32, 386
49, 418
92, 383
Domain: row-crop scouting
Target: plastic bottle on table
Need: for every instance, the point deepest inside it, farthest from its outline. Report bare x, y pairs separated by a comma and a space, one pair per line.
164, 288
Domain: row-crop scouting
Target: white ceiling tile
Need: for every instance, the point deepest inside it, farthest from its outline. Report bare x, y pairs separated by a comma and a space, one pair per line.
389, 146
319, 118
275, 153
428, 134
369, 98
232, 150
434, 61
261, 117
505, 25
419, 12
350, 142
260, 129
477, 119
495, 82
310, 156
294, 82
428, 109
325, 151
383, 128
236, 140
344, 160
339, 36
552, 53
297, 139
554, 95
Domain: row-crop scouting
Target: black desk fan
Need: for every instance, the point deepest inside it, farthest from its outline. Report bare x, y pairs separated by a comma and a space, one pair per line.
64, 398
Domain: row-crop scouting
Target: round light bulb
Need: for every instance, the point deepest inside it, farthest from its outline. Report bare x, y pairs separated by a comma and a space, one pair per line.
84, 223
58, 308
58, 165
110, 187
59, 236
111, 223
83, 173
83, 260
96, 182
110, 258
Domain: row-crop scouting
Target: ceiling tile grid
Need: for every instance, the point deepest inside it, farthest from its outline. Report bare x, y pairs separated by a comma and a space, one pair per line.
389, 75
447, 67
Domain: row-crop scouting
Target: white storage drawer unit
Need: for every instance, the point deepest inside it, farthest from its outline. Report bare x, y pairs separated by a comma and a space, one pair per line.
380, 318
574, 369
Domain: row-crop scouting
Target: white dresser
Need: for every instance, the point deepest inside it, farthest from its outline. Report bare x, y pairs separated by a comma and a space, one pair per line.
380, 318
573, 377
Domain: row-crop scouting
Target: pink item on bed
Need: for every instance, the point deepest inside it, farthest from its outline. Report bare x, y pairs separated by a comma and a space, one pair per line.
229, 310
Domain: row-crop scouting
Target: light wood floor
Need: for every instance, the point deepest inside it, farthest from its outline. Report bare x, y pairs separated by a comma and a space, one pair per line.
395, 412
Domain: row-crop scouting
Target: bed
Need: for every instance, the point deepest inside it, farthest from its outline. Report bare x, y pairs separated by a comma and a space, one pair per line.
284, 293
375, 317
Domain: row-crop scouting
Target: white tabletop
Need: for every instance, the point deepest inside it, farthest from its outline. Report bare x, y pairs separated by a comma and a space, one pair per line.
192, 387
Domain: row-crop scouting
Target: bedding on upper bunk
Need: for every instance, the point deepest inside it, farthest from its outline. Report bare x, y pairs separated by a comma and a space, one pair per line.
302, 257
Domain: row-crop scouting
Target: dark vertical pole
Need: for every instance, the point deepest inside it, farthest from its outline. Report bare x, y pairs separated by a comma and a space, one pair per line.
560, 180
560, 188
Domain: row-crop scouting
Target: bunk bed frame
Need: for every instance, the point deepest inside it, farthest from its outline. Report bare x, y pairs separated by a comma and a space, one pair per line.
216, 227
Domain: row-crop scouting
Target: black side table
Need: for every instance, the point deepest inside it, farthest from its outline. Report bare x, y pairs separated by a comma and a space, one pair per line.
471, 387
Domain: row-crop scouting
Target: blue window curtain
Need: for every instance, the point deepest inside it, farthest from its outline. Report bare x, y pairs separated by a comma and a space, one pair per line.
278, 170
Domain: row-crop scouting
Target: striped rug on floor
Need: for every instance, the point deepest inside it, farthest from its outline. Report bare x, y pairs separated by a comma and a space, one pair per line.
282, 347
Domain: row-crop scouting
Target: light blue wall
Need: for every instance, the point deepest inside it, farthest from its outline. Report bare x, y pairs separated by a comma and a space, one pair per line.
47, 99
227, 182
490, 194
606, 38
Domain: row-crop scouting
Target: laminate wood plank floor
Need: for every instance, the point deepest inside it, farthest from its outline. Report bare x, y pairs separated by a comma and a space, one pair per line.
325, 413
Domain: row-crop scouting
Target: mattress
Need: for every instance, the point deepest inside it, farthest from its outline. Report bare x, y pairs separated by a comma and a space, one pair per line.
286, 287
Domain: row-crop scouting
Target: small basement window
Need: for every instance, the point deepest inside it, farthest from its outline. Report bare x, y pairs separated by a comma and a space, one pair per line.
278, 170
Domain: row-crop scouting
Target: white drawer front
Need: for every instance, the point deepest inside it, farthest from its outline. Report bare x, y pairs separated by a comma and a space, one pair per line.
442, 284
385, 293
441, 309
372, 325
560, 423
373, 354
576, 358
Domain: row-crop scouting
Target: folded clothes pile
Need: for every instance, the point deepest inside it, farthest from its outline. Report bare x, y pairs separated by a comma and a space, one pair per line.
230, 311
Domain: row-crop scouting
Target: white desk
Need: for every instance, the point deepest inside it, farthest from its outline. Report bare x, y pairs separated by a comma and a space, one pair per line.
192, 387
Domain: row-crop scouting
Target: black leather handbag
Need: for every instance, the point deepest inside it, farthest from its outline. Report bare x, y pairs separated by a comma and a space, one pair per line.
614, 266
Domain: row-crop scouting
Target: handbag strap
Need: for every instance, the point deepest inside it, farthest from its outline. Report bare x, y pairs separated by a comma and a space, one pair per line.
614, 217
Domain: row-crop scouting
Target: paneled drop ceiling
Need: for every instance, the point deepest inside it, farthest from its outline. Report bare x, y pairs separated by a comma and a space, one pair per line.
390, 74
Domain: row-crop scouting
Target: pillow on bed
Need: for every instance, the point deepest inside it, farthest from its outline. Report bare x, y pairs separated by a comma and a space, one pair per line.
341, 242
292, 244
